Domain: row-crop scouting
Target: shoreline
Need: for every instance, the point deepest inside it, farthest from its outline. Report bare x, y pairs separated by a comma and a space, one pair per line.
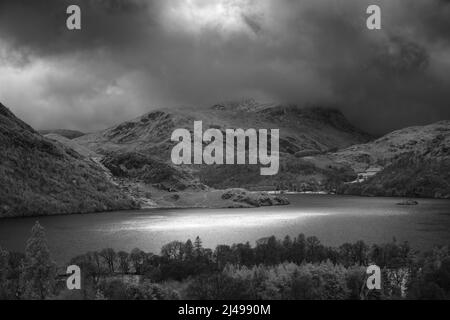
214, 207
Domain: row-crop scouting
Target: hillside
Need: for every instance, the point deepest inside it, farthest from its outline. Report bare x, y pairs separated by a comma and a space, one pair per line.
413, 162
39, 176
308, 131
319, 151
314, 130
69, 134
408, 175
72, 144
432, 140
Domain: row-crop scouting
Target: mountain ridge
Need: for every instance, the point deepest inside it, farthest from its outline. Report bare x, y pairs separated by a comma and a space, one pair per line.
302, 131
55, 175
319, 149
128, 165
42, 177
413, 161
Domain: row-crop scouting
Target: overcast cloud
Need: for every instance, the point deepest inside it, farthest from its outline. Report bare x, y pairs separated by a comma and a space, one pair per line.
134, 56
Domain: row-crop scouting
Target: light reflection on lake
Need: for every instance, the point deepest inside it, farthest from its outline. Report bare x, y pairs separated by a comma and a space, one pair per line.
205, 220
333, 219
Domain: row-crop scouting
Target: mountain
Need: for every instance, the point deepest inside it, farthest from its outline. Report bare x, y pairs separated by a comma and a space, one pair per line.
319, 151
129, 165
432, 140
314, 130
72, 144
39, 176
409, 175
303, 132
69, 134
412, 162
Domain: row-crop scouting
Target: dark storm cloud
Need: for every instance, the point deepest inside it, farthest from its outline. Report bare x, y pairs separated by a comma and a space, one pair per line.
40, 26
252, 22
131, 56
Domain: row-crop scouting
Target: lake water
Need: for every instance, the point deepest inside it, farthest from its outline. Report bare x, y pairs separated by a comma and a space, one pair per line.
333, 219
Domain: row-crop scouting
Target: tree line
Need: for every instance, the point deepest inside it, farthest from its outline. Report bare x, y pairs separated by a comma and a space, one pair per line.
290, 268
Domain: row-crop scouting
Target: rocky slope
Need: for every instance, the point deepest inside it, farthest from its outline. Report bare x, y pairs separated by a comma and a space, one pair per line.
72, 144
409, 175
69, 134
128, 165
432, 140
39, 176
152, 183
413, 162
303, 132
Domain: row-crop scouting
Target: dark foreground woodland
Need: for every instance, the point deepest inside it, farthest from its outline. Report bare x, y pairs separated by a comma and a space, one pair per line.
298, 268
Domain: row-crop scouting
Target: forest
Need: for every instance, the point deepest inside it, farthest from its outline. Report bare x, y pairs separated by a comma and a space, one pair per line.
274, 269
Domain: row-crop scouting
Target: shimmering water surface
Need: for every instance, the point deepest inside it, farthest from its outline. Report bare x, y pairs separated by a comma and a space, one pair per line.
333, 219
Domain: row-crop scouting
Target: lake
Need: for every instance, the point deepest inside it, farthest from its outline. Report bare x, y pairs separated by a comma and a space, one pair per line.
333, 219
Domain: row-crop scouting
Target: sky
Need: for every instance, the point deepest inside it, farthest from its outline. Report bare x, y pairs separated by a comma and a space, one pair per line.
134, 56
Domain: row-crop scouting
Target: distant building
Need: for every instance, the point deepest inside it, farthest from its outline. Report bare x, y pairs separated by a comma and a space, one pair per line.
369, 172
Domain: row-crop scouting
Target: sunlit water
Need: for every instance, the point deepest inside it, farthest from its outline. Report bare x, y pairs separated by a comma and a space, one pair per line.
333, 219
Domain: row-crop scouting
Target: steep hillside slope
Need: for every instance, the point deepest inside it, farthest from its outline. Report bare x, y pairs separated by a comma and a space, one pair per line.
72, 144
432, 140
408, 175
303, 132
69, 134
42, 177
310, 129
414, 162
